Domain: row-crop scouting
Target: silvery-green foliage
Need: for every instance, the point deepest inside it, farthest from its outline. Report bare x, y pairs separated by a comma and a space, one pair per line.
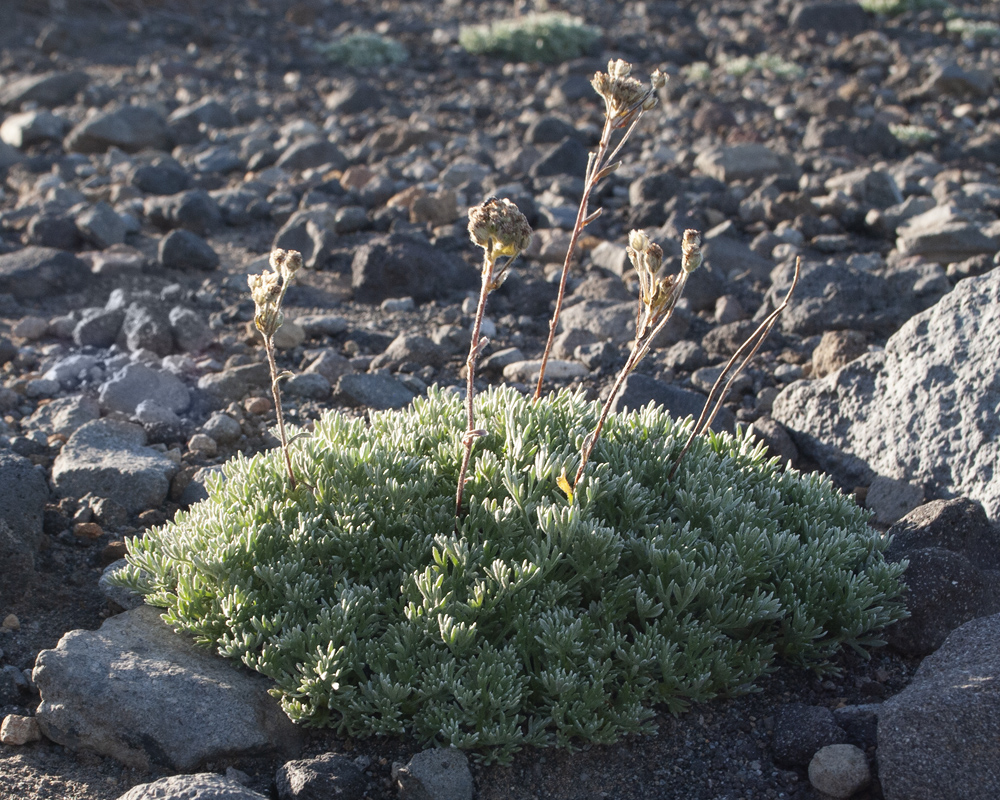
537, 621
550, 37
365, 50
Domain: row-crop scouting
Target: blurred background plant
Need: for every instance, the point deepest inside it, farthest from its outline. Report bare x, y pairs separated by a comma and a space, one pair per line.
364, 51
549, 37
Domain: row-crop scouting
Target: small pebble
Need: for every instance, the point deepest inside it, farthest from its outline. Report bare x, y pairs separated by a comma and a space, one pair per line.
10, 623
202, 444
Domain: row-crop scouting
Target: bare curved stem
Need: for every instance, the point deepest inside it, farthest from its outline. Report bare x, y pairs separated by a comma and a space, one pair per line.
276, 392
471, 434
746, 351
595, 166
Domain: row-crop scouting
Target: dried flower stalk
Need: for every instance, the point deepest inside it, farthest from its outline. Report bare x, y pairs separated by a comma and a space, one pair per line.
658, 296
625, 100
268, 291
746, 351
502, 231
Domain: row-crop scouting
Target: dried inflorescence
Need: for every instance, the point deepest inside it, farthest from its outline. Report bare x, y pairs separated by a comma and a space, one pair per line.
624, 96
268, 290
499, 227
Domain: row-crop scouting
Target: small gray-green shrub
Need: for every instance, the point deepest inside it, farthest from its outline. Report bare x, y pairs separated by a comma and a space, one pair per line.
532, 619
549, 37
365, 50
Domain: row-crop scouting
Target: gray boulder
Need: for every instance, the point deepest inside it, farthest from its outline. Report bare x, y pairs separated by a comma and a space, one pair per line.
410, 348
923, 410
135, 383
147, 327
138, 692
109, 459
129, 128
937, 738
41, 271
202, 786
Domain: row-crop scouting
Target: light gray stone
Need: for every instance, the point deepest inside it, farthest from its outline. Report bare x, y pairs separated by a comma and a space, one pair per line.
555, 370
937, 738
224, 429
109, 459
138, 692
640, 390
377, 392
236, 383
742, 162
410, 348
924, 410
21, 130
309, 385
944, 234
191, 331
202, 786
137, 382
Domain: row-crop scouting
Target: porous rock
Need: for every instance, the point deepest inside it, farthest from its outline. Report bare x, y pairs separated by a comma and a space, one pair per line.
108, 458
138, 692
436, 774
939, 734
201, 786
923, 410
377, 392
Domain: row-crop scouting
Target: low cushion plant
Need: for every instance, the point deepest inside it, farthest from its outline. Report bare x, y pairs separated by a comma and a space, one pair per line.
533, 618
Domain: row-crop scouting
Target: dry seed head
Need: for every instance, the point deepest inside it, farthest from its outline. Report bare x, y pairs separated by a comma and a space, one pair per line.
499, 227
268, 289
625, 96
286, 263
691, 250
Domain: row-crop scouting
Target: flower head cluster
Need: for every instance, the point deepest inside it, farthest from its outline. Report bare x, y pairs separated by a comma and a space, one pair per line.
499, 227
268, 289
624, 96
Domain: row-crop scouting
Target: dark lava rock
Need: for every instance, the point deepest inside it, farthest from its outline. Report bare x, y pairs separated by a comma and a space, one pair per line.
48, 89
569, 157
184, 250
405, 266
320, 778
640, 390
824, 18
378, 392
129, 128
